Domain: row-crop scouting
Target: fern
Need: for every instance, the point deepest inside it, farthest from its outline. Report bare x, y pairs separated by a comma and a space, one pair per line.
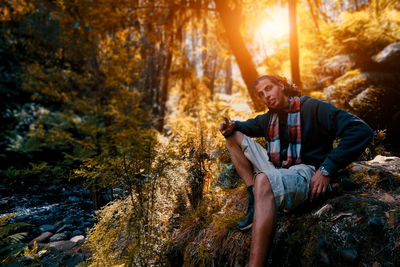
11, 244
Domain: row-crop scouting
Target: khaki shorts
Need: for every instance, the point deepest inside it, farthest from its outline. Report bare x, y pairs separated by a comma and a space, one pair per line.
291, 186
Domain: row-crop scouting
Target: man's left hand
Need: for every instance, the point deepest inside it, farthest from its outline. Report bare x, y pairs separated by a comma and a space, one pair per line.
319, 183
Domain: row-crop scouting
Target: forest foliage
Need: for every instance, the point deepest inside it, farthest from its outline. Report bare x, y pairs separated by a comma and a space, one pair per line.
129, 94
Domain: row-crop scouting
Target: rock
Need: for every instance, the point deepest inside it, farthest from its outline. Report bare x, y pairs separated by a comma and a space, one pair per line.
46, 227
349, 255
66, 192
66, 227
73, 199
74, 259
87, 224
69, 220
42, 238
58, 237
387, 198
228, 178
375, 223
77, 238
52, 188
362, 226
394, 218
42, 253
57, 225
76, 232
62, 245
27, 260
332, 68
390, 55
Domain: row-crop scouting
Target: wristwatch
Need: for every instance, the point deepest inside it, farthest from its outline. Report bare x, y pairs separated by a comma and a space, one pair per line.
324, 171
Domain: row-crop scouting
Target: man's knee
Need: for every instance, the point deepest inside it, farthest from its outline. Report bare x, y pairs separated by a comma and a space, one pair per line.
262, 186
235, 139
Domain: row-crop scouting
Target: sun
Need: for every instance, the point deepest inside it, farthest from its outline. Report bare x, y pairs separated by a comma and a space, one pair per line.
275, 26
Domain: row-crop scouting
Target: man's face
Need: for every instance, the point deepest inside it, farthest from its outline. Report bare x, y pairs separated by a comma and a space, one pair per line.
271, 94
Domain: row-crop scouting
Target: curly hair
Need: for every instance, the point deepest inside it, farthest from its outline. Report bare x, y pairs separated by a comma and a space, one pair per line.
290, 89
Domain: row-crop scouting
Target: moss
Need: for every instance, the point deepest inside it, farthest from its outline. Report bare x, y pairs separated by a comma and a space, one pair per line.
227, 221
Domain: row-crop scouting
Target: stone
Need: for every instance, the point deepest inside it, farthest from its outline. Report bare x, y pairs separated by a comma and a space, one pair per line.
349, 255
73, 198
74, 260
52, 188
66, 227
228, 178
27, 260
394, 218
42, 238
375, 224
66, 192
58, 237
69, 220
62, 245
42, 253
87, 224
389, 55
387, 198
57, 225
46, 227
77, 238
76, 232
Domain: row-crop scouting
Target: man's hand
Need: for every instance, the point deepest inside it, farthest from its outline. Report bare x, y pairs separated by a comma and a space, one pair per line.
318, 184
226, 127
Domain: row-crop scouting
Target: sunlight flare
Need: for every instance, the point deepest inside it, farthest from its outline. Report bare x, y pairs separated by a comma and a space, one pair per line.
274, 27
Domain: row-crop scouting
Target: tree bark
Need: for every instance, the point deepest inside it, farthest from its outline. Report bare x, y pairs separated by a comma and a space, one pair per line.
294, 48
228, 77
230, 19
315, 18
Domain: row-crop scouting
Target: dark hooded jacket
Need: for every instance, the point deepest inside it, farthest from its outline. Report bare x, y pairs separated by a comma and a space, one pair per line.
321, 124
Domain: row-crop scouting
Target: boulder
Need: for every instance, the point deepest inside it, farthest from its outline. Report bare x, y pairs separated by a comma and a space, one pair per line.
355, 226
390, 55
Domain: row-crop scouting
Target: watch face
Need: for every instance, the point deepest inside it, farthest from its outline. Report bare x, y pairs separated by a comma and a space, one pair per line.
324, 171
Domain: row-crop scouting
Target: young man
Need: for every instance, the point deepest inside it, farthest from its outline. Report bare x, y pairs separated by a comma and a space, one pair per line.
299, 160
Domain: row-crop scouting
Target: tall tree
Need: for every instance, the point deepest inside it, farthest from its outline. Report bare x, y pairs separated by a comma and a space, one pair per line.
231, 16
294, 47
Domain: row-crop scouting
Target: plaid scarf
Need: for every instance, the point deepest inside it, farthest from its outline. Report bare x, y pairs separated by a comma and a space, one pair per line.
294, 127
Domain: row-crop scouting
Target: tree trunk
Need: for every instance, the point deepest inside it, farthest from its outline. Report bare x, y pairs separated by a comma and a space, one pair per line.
315, 18
228, 77
209, 59
164, 88
294, 48
230, 19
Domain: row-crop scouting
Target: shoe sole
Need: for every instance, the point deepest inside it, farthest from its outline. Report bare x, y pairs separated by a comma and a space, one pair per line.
246, 227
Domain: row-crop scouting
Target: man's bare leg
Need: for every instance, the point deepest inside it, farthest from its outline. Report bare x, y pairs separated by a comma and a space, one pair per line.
264, 221
239, 160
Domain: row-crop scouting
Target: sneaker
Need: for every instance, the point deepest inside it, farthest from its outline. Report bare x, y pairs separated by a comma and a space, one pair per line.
247, 221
